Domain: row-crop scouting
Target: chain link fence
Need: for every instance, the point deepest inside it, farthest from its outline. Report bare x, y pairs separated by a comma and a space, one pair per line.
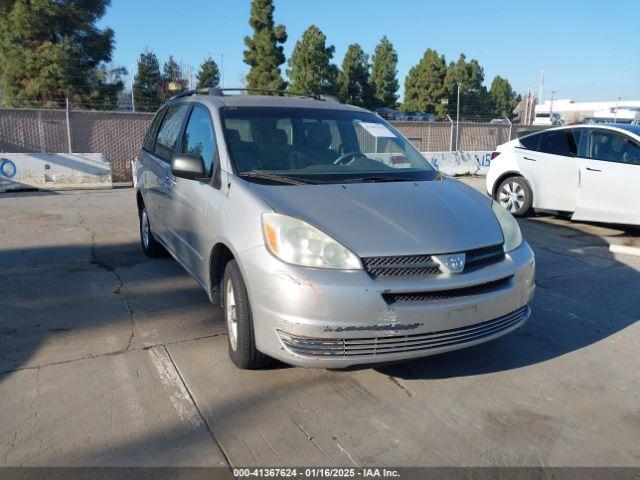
119, 134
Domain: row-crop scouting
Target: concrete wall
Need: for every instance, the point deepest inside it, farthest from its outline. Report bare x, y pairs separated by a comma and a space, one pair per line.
460, 163
53, 171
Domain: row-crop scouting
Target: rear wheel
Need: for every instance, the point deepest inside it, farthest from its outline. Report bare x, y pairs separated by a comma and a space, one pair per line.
515, 195
237, 314
150, 246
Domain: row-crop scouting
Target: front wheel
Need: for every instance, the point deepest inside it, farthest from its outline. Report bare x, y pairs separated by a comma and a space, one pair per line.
516, 196
237, 314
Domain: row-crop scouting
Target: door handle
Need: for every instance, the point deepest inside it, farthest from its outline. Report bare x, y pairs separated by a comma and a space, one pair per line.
593, 169
530, 159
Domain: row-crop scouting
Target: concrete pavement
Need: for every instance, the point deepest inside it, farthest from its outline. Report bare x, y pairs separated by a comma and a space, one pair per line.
109, 358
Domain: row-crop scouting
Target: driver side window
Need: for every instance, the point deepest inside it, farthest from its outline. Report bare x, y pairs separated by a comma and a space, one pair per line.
611, 146
200, 139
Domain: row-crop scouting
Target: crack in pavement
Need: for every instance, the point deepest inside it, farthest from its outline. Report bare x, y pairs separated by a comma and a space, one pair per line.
111, 354
111, 269
399, 384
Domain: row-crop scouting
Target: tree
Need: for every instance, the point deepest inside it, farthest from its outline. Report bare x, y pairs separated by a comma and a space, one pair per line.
474, 98
354, 84
172, 80
209, 75
310, 64
52, 50
503, 98
147, 84
424, 86
384, 74
264, 53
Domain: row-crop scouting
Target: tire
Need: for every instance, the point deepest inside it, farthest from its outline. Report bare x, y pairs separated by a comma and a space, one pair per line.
514, 194
237, 315
150, 246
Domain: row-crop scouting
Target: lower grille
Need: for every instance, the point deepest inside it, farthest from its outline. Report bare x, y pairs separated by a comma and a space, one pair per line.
381, 346
436, 295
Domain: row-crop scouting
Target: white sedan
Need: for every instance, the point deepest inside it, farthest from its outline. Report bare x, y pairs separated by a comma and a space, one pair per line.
591, 172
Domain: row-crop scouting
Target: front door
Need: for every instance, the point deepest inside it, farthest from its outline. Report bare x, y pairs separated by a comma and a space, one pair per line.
609, 164
192, 198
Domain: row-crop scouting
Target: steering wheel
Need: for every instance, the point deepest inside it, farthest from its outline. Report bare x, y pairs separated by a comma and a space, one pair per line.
353, 155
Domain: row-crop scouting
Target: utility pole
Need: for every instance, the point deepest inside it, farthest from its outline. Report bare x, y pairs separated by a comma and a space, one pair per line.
458, 119
553, 96
68, 124
526, 110
541, 85
222, 69
133, 100
615, 118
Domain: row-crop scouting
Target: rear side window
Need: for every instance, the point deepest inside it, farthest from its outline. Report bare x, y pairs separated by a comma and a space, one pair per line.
199, 138
531, 142
150, 137
559, 142
169, 130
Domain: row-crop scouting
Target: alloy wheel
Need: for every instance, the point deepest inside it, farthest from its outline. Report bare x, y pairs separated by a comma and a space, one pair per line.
512, 196
146, 230
231, 313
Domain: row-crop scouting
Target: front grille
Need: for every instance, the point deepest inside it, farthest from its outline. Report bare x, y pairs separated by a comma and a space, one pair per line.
397, 266
482, 257
381, 346
435, 295
424, 266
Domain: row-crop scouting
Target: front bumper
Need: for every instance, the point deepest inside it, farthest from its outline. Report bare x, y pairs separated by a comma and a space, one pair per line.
335, 319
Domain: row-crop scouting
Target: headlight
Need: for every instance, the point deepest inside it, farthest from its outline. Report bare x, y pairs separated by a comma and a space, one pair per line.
295, 241
510, 228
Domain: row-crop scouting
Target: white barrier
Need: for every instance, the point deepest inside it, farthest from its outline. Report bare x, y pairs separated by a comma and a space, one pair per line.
460, 163
54, 171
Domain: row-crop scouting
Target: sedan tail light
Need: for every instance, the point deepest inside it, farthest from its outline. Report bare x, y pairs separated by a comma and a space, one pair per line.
494, 155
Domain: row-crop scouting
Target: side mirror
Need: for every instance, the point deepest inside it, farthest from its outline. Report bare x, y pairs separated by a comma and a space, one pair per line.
187, 165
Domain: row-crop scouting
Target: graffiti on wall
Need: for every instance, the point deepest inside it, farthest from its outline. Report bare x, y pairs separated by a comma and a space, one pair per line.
460, 163
7, 168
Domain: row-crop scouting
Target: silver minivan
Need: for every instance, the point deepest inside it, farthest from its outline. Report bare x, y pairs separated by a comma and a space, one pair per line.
326, 237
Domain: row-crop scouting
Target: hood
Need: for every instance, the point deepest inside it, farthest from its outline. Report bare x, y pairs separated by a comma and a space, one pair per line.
392, 218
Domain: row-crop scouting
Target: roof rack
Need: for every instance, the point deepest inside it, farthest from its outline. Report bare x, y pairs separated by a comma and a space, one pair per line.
219, 92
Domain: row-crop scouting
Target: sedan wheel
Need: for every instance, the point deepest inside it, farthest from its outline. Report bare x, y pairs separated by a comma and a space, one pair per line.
512, 197
515, 195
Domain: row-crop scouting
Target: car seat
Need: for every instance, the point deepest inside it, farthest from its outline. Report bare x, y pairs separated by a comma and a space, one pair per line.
318, 145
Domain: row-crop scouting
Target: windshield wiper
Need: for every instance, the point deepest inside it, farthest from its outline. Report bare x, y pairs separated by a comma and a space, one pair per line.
273, 177
372, 179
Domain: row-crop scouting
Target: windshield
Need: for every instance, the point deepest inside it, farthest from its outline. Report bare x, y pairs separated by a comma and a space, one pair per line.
300, 145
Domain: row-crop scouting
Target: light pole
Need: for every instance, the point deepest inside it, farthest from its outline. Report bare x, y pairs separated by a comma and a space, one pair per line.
458, 119
133, 101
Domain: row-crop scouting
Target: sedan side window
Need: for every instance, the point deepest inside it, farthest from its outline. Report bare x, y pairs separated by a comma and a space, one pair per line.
558, 142
531, 142
169, 130
612, 147
199, 138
